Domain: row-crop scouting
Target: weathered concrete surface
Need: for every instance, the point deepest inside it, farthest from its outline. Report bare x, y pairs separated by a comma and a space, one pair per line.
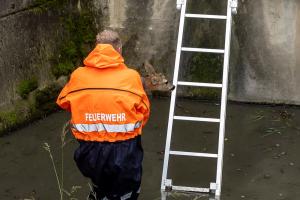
9, 7
264, 61
148, 29
38, 37
268, 38
28, 41
264, 54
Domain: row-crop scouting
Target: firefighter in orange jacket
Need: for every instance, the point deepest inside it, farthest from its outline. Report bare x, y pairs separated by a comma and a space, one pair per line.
109, 108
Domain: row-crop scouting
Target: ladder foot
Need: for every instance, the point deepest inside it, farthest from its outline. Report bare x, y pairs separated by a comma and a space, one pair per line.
167, 186
234, 5
212, 188
179, 4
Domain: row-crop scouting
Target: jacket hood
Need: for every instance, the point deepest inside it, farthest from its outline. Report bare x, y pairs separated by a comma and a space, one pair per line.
103, 56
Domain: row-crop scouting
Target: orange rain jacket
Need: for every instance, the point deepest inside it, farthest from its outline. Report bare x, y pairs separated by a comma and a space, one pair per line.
106, 99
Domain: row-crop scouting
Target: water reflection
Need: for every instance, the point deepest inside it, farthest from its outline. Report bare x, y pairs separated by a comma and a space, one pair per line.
186, 196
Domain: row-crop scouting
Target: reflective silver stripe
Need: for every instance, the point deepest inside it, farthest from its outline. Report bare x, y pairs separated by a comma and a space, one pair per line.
126, 196
110, 128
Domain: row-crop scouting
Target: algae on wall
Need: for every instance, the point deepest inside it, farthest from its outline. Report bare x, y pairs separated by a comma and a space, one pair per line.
46, 43
203, 33
41, 44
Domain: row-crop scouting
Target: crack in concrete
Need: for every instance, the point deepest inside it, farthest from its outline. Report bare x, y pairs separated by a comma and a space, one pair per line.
30, 7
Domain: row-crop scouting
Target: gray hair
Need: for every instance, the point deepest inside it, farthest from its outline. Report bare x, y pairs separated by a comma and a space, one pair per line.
109, 37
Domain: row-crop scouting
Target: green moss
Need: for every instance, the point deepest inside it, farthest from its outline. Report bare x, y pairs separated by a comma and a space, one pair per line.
78, 39
45, 99
80, 28
26, 86
8, 118
206, 68
69, 51
79, 33
40, 104
205, 93
62, 69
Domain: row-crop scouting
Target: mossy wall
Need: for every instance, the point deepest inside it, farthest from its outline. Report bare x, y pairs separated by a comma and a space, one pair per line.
203, 33
41, 43
57, 34
44, 40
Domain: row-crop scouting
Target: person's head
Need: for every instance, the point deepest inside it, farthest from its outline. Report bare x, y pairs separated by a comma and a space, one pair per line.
110, 37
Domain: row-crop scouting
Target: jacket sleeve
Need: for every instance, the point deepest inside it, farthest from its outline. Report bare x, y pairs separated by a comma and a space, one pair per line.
144, 105
62, 99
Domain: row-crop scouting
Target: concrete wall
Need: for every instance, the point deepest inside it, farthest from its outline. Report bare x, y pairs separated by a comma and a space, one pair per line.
148, 29
38, 36
265, 42
28, 41
267, 66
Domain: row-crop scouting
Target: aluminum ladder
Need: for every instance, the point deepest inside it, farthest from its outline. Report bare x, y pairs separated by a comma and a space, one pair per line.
166, 184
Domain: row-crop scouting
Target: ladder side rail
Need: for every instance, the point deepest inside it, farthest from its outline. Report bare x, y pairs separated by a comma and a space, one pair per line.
173, 96
224, 99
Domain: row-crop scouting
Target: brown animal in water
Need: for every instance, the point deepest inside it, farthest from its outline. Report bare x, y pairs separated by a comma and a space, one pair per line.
153, 82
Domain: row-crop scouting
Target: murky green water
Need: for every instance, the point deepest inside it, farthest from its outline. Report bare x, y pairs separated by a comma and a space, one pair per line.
261, 159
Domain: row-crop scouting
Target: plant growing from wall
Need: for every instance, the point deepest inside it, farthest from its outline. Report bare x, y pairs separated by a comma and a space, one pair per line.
27, 86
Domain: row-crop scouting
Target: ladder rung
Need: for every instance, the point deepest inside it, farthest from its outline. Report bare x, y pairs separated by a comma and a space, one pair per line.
212, 85
203, 16
202, 50
184, 153
198, 119
190, 189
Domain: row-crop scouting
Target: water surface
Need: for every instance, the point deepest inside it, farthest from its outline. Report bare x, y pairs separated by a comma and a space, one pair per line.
261, 160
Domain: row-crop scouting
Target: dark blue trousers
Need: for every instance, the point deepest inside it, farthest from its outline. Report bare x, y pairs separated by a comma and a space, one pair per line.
115, 168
